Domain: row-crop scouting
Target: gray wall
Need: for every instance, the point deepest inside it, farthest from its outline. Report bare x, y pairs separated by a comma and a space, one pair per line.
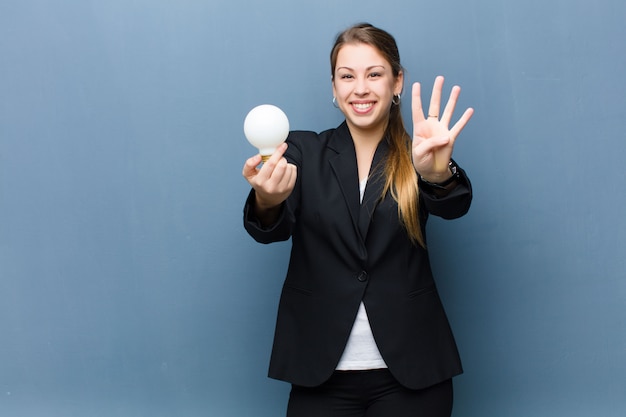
127, 285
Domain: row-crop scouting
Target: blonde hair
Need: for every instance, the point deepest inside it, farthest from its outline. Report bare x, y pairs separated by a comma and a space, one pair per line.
400, 176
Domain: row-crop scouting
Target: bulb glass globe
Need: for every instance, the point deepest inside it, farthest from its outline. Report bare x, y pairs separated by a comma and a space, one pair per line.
266, 127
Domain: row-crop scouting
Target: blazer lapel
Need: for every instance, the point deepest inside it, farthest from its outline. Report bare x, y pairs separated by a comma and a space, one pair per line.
374, 188
345, 168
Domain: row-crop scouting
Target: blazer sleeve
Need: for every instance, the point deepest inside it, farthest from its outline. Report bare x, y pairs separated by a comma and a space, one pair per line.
454, 204
276, 232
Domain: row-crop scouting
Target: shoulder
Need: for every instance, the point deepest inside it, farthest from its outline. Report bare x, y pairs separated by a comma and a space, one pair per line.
307, 135
298, 136
301, 143
312, 144
308, 138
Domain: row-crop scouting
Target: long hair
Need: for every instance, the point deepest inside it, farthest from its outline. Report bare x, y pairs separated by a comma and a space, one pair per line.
400, 176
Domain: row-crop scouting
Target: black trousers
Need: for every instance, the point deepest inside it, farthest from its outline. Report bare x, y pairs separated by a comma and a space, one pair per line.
373, 393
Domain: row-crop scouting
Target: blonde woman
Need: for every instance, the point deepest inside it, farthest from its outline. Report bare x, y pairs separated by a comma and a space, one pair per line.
361, 330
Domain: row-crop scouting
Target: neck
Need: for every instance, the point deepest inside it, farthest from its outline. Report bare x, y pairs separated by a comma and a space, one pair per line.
365, 145
366, 138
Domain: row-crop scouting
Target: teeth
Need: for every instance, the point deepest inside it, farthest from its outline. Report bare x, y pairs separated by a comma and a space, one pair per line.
362, 106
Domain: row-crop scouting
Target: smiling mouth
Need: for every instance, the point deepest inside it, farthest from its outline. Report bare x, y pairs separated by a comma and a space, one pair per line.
362, 107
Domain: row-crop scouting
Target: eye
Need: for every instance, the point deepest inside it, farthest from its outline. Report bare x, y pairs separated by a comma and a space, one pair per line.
346, 76
375, 75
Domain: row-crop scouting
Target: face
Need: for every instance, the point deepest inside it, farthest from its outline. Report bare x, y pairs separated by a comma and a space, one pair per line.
364, 86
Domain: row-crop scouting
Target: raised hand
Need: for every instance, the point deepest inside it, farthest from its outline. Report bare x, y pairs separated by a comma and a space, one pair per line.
433, 139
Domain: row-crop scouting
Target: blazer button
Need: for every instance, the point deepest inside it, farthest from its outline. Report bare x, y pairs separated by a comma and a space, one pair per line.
362, 277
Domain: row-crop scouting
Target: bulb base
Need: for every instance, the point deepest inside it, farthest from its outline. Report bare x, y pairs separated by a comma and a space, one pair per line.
264, 158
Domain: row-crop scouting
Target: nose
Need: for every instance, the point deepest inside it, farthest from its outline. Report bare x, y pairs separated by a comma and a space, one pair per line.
361, 88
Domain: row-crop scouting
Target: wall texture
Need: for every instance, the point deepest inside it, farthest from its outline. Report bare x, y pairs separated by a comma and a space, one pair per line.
127, 284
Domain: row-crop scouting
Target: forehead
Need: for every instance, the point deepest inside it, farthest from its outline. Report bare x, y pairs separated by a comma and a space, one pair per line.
359, 56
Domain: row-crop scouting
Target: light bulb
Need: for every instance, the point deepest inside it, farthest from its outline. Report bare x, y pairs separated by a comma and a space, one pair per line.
266, 127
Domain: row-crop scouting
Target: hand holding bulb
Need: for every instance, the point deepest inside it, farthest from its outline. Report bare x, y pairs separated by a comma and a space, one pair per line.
267, 127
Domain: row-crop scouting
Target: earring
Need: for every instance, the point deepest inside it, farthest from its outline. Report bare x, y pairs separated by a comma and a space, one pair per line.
394, 101
335, 102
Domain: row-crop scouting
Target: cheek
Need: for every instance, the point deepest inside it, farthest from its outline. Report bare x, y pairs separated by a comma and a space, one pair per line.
391, 89
340, 91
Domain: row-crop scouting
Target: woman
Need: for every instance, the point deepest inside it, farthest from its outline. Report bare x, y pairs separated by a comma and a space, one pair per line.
361, 330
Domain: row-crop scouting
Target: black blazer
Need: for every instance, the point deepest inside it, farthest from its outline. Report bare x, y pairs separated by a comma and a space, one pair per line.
344, 252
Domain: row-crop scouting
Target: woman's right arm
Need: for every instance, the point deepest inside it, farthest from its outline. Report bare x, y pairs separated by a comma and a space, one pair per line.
273, 182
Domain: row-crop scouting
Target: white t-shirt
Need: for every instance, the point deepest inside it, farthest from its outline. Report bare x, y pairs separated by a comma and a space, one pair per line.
361, 351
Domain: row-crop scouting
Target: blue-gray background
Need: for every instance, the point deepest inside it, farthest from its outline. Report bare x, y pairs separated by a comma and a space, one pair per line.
127, 285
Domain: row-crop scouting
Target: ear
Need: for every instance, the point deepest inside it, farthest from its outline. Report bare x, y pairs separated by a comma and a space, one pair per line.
332, 82
398, 83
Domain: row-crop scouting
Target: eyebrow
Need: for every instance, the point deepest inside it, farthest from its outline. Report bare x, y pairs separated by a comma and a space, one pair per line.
367, 69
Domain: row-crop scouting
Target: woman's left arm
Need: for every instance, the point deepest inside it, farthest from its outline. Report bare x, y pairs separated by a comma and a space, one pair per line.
445, 188
433, 139
449, 201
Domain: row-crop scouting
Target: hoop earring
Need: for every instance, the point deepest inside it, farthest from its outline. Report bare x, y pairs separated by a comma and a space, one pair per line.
393, 100
335, 103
